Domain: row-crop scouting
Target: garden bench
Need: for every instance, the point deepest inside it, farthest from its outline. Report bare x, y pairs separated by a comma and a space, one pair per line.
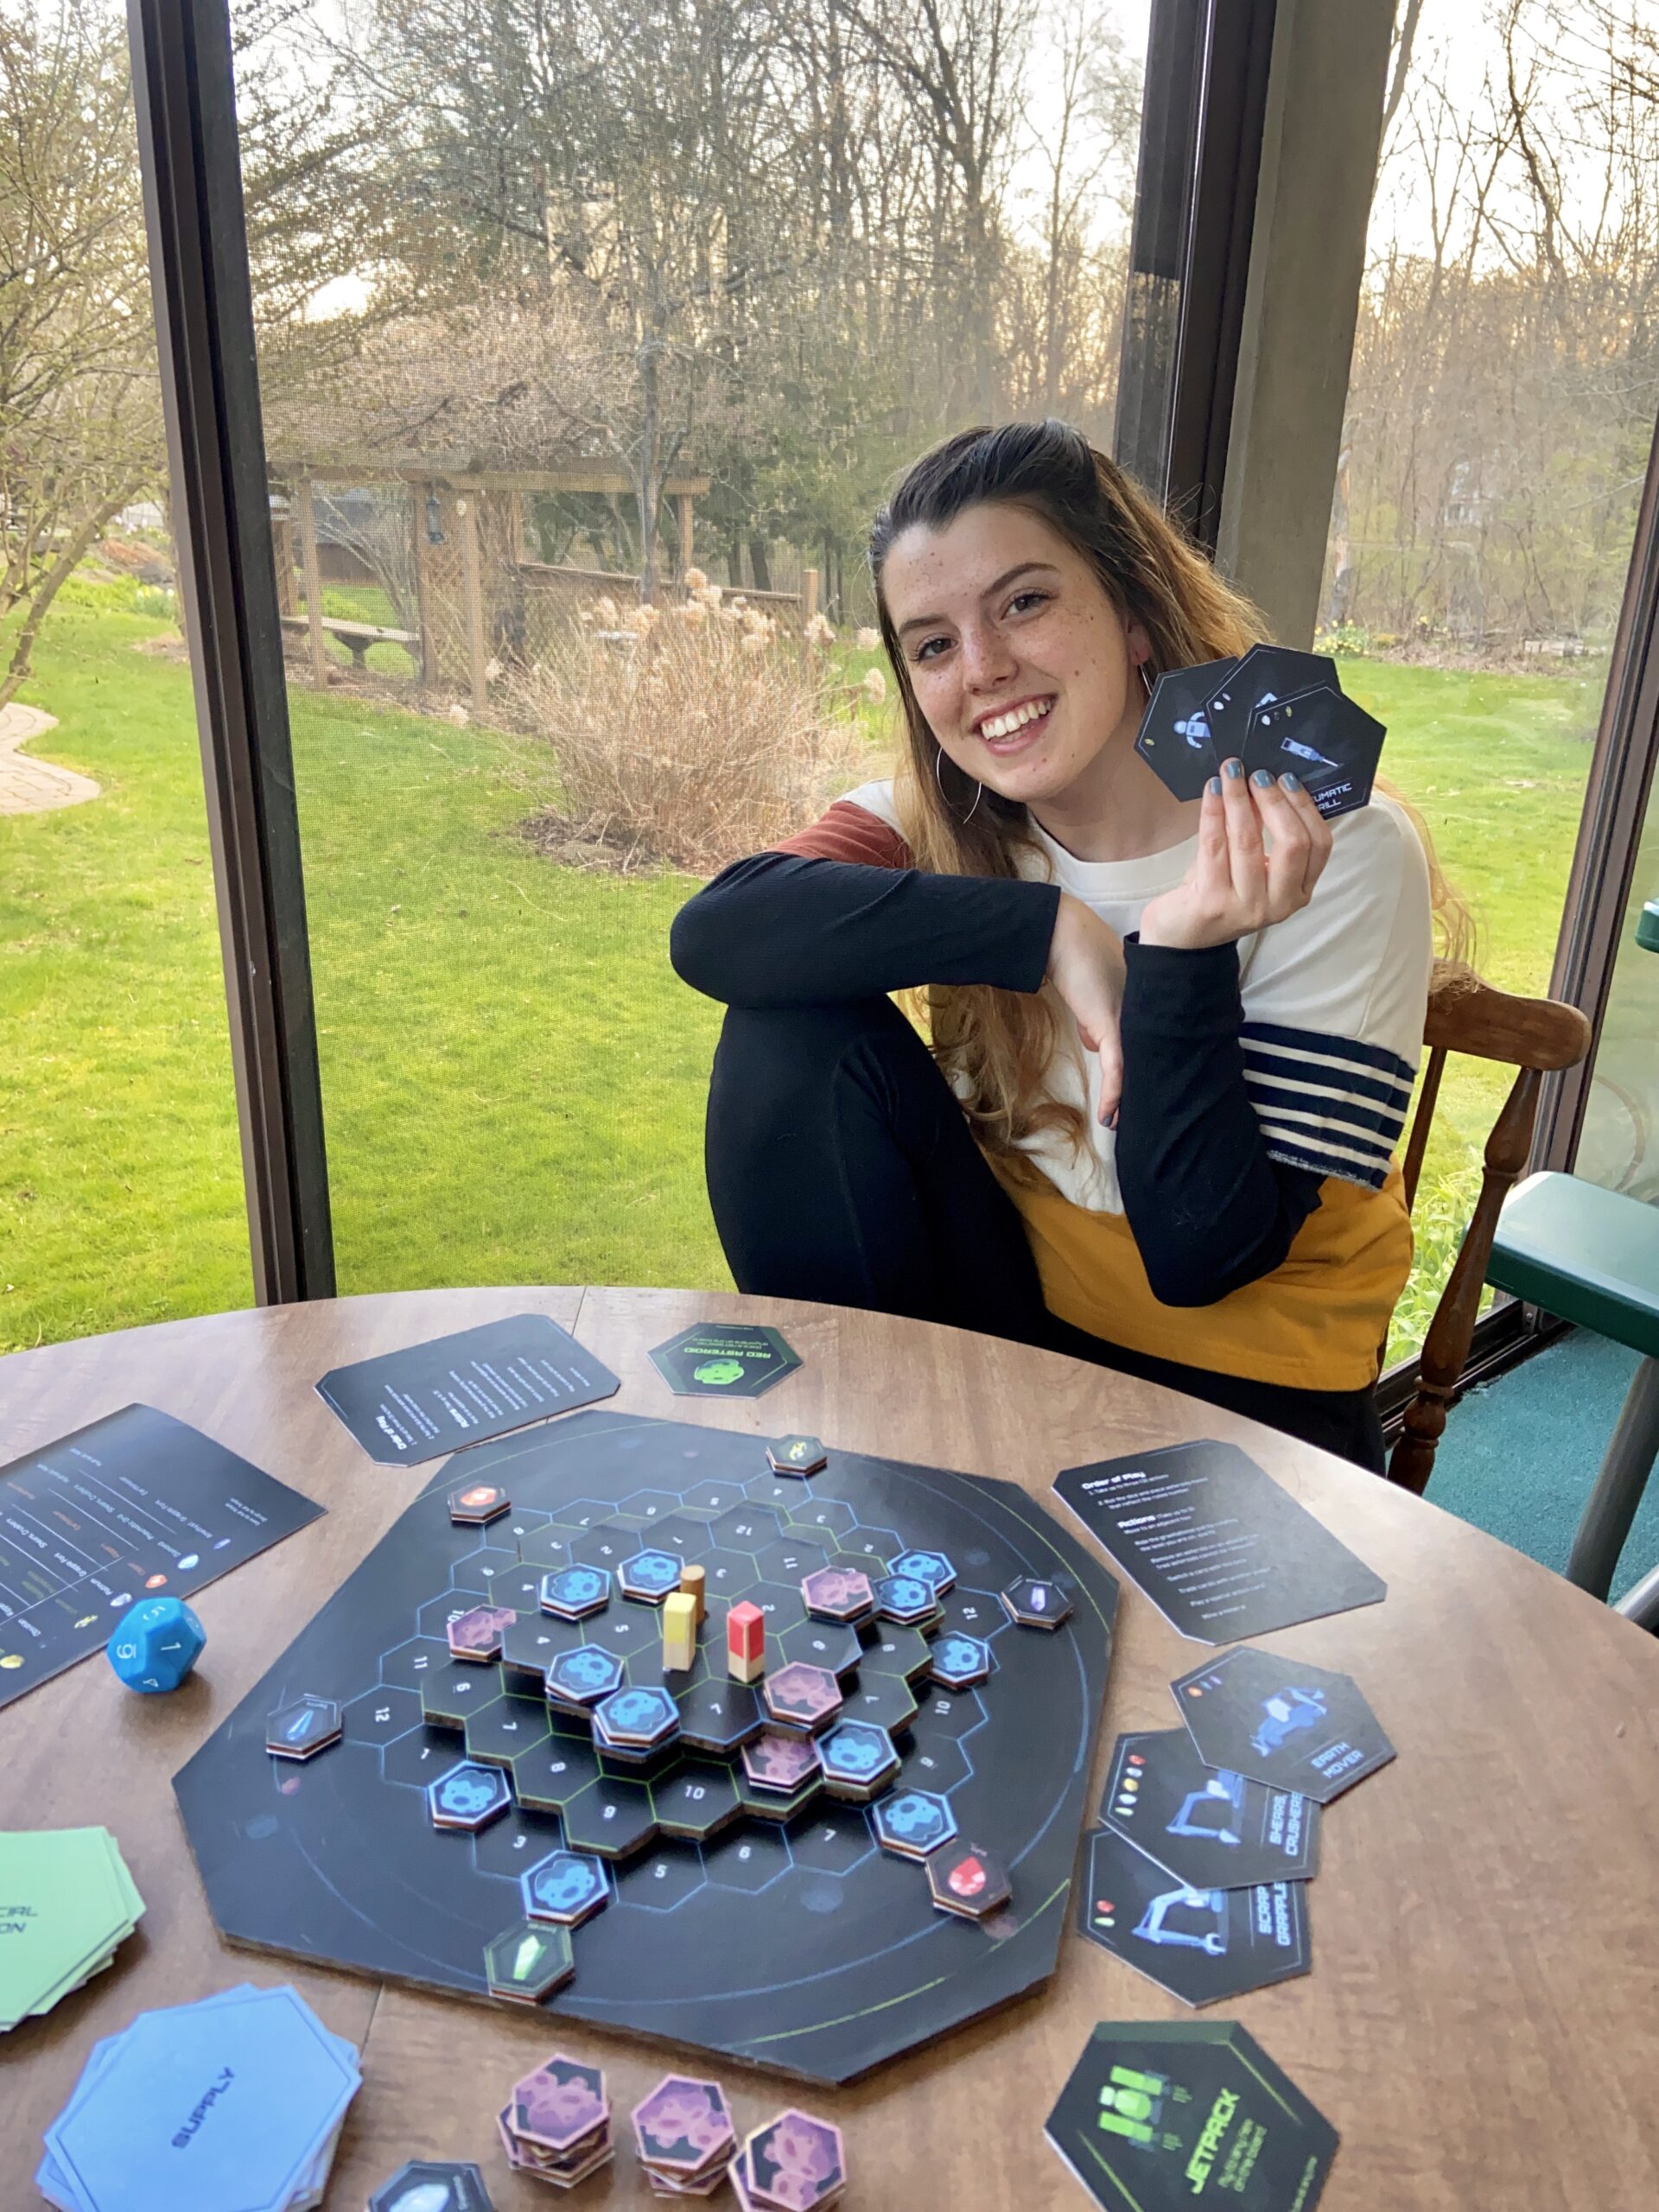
357, 637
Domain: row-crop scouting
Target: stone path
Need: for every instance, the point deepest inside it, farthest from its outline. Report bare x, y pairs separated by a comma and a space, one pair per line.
33, 786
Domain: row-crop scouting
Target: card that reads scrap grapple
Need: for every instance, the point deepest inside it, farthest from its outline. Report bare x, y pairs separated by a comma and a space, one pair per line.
1218, 1547
1199, 1944
724, 1359
1213, 1828
1296, 1727
1161, 2114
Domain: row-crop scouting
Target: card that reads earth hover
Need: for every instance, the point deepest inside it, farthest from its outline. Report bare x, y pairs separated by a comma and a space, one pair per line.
1287, 1723
1161, 2114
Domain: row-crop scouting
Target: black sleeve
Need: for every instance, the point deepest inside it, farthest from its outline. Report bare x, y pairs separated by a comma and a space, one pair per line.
1210, 1211
782, 931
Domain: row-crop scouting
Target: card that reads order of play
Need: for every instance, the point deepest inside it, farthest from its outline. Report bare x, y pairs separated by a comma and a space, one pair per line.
1218, 1547
1161, 2114
136, 1504
1292, 1725
411, 1405
1211, 1828
1200, 1944
1274, 708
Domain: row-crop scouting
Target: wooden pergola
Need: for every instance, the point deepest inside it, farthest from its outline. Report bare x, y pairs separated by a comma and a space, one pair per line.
466, 492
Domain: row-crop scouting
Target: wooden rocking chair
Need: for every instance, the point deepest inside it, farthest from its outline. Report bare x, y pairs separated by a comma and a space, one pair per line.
1534, 1036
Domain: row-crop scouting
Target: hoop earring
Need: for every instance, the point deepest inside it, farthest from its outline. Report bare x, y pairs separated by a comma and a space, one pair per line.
938, 778
1146, 679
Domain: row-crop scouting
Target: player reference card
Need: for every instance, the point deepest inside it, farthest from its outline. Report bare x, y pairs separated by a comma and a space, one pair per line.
129, 1506
412, 1405
1211, 1539
1158, 2114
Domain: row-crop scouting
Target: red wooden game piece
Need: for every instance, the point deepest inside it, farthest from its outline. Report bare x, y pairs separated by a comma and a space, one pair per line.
746, 1643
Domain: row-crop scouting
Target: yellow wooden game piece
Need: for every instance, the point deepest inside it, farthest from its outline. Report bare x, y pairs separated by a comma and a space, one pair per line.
679, 1632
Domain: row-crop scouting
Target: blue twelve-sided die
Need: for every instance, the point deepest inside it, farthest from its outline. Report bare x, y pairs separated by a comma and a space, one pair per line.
156, 1644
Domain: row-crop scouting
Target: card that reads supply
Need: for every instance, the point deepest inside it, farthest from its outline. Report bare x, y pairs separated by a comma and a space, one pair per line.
1158, 2114
134, 1505
412, 1405
1210, 1538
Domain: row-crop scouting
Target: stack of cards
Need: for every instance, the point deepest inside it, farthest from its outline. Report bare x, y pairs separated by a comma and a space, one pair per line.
1275, 709
794, 2164
557, 2125
685, 2136
1198, 1874
235, 2099
69, 1903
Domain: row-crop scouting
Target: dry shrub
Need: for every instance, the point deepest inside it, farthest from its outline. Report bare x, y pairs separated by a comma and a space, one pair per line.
703, 739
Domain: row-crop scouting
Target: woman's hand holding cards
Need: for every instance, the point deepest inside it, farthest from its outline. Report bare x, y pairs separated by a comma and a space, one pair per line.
1262, 846
1085, 966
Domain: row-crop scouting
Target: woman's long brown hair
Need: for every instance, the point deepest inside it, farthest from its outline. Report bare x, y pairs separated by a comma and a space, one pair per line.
997, 1046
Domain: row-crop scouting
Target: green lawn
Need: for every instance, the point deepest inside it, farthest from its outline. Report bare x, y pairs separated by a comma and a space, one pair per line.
513, 1080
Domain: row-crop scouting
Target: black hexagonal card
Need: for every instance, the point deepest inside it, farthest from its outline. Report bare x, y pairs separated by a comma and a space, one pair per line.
1285, 1723
724, 1359
1174, 737
1199, 1944
1164, 2114
1211, 1827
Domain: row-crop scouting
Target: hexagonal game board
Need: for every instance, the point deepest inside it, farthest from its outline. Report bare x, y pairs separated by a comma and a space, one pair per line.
539, 1828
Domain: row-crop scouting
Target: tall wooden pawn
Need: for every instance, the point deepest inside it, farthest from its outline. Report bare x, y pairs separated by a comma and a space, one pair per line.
679, 1633
694, 1582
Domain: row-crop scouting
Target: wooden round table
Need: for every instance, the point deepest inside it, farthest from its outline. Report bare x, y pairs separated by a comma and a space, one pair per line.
1482, 2020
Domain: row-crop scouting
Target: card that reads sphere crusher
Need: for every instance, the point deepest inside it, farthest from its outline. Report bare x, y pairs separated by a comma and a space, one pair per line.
1158, 2114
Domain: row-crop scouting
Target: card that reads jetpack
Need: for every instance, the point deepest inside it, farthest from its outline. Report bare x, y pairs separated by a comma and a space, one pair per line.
1285, 1723
1218, 1547
1174, 738
1213, 1828
1158, 2114
1330, 744
1199, 1944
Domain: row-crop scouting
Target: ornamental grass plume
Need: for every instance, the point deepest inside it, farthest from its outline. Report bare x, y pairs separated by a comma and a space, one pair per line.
699, 742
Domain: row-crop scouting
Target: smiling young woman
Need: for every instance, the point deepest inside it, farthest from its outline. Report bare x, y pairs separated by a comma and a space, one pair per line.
1169, 1044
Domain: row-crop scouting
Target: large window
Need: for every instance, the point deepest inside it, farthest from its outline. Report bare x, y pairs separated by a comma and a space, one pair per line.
578, 345
1500, 410
121, 1193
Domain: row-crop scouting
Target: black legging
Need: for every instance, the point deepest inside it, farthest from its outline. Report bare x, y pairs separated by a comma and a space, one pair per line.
840, 1168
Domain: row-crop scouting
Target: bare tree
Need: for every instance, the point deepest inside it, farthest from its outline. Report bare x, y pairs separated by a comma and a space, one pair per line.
79, 427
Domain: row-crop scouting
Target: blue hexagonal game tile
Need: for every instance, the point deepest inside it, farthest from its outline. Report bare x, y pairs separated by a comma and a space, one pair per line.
565, 1887
468, 1796
913, 1822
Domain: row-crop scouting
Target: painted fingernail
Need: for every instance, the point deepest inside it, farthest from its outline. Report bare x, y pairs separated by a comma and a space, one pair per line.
1263, 779
1215, 786
1289, 782
1233, 768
